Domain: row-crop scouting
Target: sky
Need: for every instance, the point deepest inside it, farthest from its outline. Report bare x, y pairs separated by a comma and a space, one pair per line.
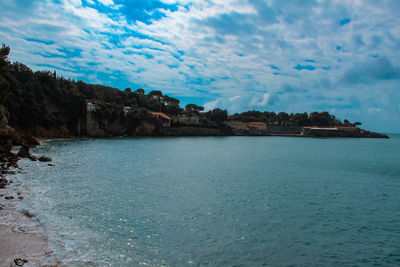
340, 56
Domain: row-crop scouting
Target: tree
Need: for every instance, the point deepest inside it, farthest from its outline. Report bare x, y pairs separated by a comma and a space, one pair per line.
283, 118
22, 72
171, 105
4, 52
217, 115
4, 69
156, 94
128, 90
357, 123
322, 119
193, 109
140, 91
299, 119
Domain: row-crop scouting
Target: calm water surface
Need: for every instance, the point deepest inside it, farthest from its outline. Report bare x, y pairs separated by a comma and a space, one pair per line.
219, 201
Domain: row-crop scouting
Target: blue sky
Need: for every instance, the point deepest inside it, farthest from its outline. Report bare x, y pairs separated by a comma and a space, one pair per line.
294, 56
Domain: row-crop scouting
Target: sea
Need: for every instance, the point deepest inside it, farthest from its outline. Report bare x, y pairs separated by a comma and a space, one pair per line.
217, 201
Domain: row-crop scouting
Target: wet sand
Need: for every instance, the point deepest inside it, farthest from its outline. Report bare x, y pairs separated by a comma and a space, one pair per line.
20, 235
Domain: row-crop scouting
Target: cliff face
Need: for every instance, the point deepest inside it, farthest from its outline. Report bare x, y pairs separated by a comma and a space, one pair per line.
145, 129
5, 139
357, 133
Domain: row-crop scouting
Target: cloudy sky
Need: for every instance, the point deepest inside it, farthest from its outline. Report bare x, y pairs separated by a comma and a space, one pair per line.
292, 55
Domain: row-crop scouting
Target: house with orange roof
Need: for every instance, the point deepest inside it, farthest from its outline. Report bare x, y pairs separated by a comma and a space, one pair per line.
165, 119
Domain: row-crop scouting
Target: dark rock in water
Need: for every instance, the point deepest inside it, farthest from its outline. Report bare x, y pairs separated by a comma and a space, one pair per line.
12, 164
3, 181
20, 262
24, 152
51, 165
32, 157
44, 159
9, 197
27, 213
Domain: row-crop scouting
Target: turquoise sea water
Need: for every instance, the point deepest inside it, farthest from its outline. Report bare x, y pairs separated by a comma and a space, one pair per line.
219, 201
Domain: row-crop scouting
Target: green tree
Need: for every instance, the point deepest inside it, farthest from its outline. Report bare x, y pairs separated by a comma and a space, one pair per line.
140, 91
193, 109
128, 90
217, 115
4, 70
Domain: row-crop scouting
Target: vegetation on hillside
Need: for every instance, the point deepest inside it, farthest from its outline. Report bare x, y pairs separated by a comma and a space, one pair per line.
42, 99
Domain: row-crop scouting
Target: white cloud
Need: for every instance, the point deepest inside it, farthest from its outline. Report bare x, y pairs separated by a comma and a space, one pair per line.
233, 98
374, 110
263, 102
224, 48
106, 2
211, 105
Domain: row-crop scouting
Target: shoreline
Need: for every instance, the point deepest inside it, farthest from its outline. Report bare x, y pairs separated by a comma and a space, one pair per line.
21, 239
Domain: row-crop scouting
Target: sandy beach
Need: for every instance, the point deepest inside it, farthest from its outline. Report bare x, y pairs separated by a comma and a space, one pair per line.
21, 241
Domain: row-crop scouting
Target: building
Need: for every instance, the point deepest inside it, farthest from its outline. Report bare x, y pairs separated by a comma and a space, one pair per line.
351, 129
238, 125
165, 119
186, 120
91, 107
329, 131
128, 110
259, 126
248, 128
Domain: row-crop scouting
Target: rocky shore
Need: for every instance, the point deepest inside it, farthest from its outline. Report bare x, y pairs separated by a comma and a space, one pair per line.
21, 241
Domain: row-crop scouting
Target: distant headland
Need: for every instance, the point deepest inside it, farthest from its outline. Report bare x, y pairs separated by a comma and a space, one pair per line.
42, 104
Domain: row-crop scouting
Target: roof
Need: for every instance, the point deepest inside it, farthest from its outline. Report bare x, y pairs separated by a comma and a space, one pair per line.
256, 122
161, 115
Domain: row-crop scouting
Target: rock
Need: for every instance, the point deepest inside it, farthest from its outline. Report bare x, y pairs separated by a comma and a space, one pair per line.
3, 121
44, 159
3, 182
27, 213
52, 165
30, 140
145, 129
24, 152
20, 197
20, 262
14, 136
9, 197
32, 157
12, 164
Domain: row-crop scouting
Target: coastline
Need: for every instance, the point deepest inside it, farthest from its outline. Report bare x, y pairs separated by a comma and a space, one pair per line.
22, 241
21, 238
